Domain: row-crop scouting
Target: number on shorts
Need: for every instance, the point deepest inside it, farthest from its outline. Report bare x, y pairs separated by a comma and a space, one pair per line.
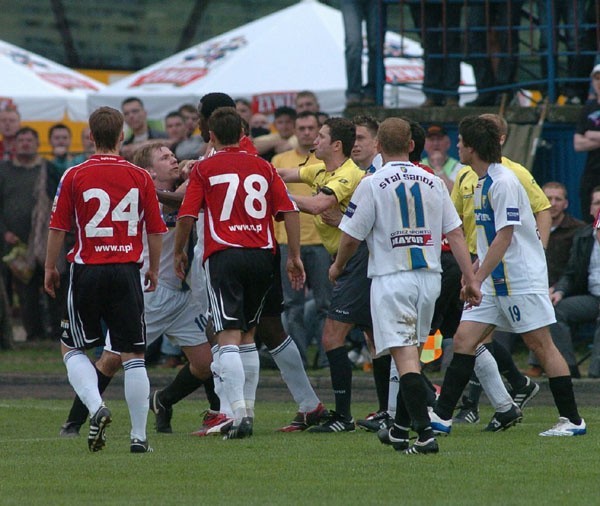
406, 210
125, 210
515, 313
254, 196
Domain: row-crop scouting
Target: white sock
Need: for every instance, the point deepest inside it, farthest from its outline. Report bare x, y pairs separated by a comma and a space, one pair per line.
83, 379
251, 364
288, 360
216, 370
232, 375
394, 388
486, 369
137, 395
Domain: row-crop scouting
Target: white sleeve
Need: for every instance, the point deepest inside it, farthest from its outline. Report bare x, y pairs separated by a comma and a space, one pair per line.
504, 196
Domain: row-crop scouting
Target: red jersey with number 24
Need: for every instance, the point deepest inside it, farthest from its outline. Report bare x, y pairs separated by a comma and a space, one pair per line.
108, 199
240, 194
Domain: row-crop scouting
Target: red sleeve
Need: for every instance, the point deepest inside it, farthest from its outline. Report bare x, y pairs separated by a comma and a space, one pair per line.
282, 203
63, 208
194, 195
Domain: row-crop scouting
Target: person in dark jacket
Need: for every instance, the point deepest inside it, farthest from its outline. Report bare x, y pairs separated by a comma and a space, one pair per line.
576, 295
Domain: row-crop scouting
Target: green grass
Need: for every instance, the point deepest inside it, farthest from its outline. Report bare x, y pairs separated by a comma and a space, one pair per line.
508, 468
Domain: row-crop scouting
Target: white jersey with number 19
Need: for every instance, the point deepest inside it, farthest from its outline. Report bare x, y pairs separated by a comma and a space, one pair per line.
501, 201
402, 211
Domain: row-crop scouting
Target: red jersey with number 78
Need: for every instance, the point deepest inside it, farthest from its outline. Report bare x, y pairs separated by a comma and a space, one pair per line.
108, 200
240, 194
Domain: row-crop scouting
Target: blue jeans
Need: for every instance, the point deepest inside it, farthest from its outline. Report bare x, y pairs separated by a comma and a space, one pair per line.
354, 12
316, 262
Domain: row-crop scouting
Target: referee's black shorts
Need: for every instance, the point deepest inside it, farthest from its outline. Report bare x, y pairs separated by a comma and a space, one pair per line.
351, 297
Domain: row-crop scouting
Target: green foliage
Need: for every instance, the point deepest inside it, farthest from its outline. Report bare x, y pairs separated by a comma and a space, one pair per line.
508, 468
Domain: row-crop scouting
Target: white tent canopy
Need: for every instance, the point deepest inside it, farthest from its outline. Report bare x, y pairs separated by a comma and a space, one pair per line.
41, 89
267, 61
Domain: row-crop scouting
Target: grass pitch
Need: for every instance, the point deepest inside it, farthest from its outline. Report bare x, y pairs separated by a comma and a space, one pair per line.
508, 468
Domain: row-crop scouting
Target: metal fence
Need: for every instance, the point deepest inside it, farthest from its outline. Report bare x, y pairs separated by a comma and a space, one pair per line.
545, 45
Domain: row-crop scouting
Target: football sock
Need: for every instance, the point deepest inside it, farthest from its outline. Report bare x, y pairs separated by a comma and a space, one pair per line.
288, 360
137, 395
82, 376
340, 369
251, 365
211, 395
393, 389
182, 385
564, 398
79, 413
455, 380
232, 375
473, 392
414, 393
507, 367
381, 375
487, 371
225, 407
430, 391
402, 417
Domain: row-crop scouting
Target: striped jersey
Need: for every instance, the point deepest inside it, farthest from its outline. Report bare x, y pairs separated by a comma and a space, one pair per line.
402, 211
500, 201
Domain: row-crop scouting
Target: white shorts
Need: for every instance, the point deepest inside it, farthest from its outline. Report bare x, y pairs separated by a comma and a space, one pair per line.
402, 307
513, 313
176, 314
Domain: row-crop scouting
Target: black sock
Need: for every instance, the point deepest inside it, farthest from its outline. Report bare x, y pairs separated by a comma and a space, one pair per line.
182, 385
340, 369
402, 418
455, 380
429, 390
564, 398
212, 397
414, 393
507, 367
79, 412
381, 375
473, 392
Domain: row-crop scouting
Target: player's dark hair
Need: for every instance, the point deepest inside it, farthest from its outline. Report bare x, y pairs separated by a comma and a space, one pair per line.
106, 125
483, 136
212, 101
417, 133
343, 130
226, 124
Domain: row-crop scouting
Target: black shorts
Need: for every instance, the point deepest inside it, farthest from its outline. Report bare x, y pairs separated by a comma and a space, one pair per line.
109, 293
351, 297
238, 280
274, 302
